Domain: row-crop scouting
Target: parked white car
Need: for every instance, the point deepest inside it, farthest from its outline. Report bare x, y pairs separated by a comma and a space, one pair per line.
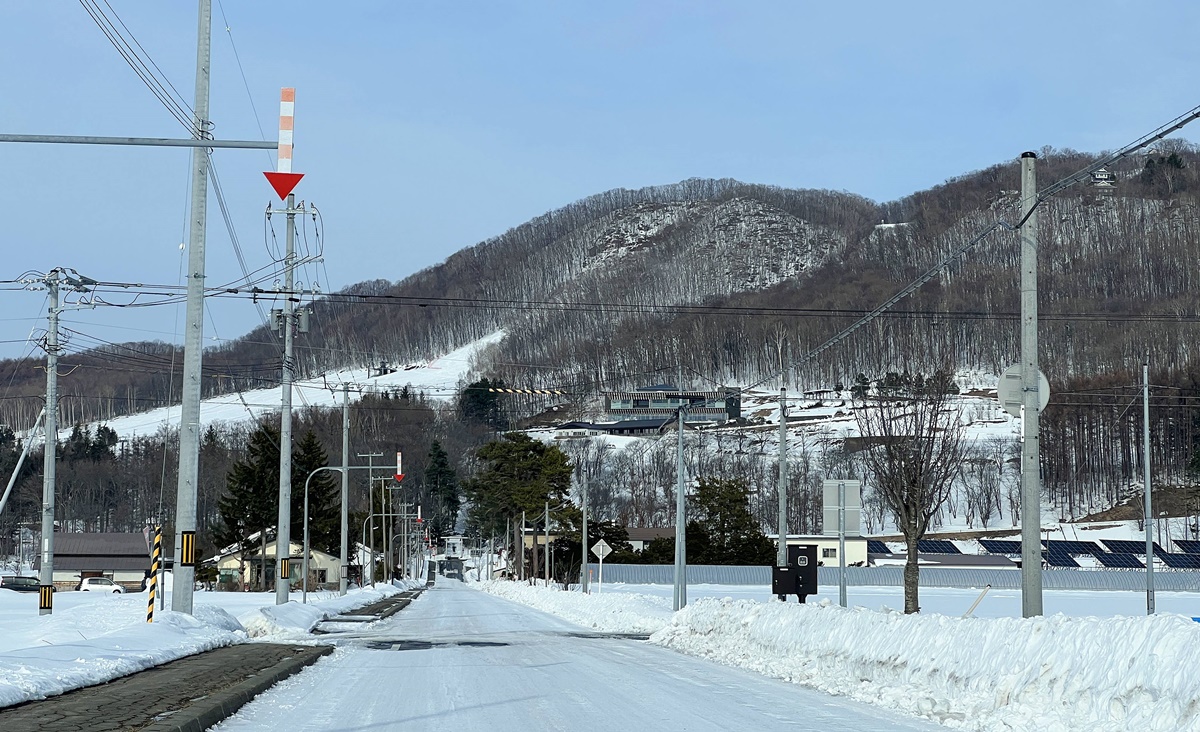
99, 584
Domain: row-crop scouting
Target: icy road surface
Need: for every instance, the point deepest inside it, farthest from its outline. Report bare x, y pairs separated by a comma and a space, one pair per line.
458, 659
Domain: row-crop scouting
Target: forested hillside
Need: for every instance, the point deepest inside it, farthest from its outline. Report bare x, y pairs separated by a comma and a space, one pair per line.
720, 282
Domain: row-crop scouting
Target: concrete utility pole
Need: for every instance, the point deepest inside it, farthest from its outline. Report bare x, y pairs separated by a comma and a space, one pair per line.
46, 573
345, 571
1031, 499
680, 523
193, 339
283, 530
781, 553
1146, 462
583, 569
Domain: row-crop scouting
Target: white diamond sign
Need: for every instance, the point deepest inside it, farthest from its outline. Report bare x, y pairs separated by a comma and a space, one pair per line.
601, 549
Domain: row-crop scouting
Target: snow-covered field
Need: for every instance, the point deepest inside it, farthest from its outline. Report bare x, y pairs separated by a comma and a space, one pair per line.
91, 638
1095, 669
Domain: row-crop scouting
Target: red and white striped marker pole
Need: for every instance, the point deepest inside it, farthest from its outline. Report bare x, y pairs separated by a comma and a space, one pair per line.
283, 180
287, 127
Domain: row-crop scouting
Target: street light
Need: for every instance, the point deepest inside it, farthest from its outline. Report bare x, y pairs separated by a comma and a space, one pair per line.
345, 559
304, 593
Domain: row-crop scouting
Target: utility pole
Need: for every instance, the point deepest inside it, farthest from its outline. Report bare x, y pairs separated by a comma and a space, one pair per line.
781, 556
1146, 463
283, 529
583, 568
1031, 520
345, 572
193, 340
46, 573
680, 524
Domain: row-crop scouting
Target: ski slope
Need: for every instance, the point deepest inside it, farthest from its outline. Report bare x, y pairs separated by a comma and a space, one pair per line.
437, 379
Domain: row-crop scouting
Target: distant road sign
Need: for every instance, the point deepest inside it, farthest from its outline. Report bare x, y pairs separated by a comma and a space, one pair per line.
601, 549
1008, 391
830, 507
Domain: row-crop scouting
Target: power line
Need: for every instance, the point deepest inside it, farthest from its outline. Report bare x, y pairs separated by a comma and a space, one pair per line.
140, 63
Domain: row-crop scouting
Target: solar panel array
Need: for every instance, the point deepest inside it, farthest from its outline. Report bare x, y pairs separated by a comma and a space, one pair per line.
936, 546
1120, 561
1074, 548
1180, 561
875, 546
1059, 559
1125, 546
1188, 545
1000, 546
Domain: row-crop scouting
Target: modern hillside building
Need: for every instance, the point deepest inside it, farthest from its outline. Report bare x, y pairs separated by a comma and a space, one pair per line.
664, 399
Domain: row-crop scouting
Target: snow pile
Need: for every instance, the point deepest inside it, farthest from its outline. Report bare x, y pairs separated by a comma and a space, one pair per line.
98, 642
612, 613
91, 638
294, 620
1050, 673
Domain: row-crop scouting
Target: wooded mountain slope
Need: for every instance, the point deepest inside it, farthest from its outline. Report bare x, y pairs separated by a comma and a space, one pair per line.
732, 283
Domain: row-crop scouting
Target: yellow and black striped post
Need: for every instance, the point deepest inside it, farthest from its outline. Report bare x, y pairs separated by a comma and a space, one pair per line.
154, 564
187, 552
46, 597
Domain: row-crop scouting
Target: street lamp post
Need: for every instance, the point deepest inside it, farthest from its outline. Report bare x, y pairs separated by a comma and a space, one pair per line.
345, 568
304, 560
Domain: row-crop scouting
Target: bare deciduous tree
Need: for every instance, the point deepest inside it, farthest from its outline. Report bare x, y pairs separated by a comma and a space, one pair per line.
916, 451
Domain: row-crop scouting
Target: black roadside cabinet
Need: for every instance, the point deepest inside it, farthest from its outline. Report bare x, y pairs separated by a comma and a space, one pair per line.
799, 576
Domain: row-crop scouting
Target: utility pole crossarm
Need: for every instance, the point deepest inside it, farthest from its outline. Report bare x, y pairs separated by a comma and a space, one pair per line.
141, 141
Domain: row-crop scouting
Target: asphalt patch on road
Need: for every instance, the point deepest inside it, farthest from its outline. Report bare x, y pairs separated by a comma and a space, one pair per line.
421, 645
619, 636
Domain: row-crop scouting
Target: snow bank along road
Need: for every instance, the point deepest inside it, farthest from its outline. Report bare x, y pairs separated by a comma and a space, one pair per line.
458, 659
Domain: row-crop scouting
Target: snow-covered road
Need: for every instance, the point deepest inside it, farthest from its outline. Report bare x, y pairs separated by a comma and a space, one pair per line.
464, 660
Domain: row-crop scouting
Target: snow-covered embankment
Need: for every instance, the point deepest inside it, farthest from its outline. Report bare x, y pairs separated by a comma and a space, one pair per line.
1056, 674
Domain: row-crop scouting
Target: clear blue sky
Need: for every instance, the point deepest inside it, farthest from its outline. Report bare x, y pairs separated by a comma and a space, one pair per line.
427, 127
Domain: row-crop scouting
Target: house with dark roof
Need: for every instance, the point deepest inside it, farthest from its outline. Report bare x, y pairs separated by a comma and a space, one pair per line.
122, 558
664, 399
626, 427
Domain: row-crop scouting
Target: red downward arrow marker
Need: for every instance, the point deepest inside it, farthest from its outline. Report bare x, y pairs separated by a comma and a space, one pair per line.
283, 183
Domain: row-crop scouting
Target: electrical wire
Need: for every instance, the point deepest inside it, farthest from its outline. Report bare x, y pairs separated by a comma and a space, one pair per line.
141, 64
245, 83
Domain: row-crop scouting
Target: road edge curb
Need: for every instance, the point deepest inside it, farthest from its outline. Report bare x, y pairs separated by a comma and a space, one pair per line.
220, 706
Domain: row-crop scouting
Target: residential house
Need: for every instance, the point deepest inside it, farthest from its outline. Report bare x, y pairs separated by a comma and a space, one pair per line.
122, 558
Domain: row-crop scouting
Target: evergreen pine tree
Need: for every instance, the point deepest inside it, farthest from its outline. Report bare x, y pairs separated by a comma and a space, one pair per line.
251, 501
324, 497
442, 484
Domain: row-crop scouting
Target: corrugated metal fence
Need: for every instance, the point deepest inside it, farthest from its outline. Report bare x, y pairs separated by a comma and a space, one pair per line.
1052, 579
